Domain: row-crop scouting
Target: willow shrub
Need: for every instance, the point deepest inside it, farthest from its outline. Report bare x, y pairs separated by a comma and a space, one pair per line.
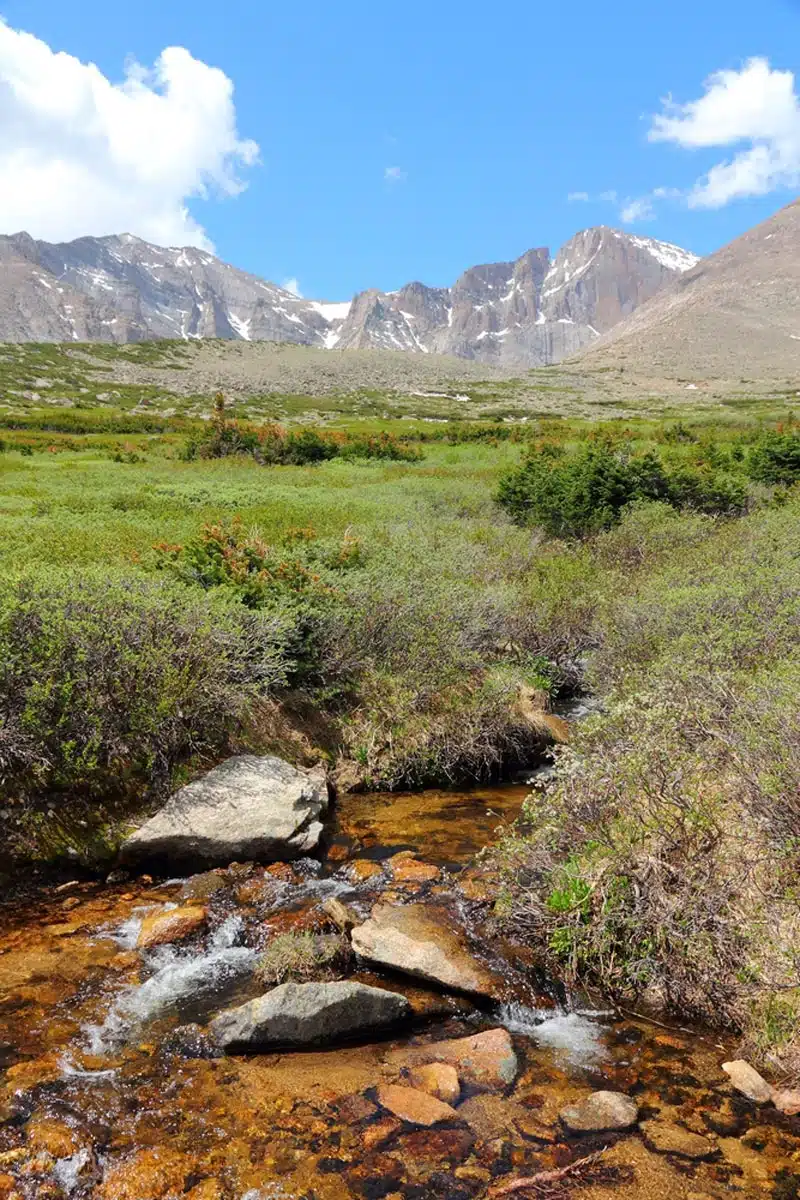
107, 684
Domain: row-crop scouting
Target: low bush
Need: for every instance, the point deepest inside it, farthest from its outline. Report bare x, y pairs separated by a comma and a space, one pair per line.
273, 445
303, 956
775, 458
573, 495
661, 865
106, 685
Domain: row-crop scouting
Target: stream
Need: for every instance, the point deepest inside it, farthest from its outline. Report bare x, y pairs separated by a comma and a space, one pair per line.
111, 1089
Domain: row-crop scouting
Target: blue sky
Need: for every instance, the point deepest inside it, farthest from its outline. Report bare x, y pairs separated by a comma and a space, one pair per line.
490, 116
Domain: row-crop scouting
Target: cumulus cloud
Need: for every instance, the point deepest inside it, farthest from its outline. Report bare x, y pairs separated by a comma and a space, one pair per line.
80, 154
756, 108
394, 174
639, 209
293, 286
578, 198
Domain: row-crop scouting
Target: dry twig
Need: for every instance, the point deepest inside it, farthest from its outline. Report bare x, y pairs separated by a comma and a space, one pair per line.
542, 1179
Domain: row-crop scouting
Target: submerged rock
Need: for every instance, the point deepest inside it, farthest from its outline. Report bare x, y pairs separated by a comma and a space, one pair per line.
437, 1079
673, 1139
418, 1108
423, 941
307, 1013
485, 1060
600, 1112
248, 807
747, 1080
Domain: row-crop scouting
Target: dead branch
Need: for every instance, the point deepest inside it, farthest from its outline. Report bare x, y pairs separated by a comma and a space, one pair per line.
543, 1178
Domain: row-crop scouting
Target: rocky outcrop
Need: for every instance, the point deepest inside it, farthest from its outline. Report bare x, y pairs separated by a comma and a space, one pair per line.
246, 808
529, 312
601, 1112
426, 942
300, 1014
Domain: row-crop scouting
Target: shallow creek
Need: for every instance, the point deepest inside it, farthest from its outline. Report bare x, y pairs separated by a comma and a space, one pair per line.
109, 1090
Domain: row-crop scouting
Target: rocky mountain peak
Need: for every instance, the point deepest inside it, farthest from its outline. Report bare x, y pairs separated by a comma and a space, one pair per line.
530, 311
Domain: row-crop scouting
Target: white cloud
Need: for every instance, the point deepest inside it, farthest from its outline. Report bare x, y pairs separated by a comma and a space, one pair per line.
578, 198
394, 174
640, 209
82, 155
292, 285
756, 107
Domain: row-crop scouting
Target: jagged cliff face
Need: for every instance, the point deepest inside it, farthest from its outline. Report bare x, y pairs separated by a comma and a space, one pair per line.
531, 311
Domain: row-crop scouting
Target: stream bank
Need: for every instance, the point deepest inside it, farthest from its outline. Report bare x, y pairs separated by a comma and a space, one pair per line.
111, 1090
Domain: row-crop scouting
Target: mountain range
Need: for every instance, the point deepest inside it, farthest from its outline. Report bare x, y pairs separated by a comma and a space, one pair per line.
532, 311
734, 315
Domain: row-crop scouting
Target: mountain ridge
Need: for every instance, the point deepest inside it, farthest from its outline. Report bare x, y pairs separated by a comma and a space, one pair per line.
733, 314
530, 311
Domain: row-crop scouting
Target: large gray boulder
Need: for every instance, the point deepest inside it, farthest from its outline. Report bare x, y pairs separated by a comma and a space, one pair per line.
247, 808
300, 1014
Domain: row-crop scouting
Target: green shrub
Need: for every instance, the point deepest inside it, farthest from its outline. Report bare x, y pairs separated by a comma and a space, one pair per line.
775, 458
106, 685
302, 956
581, 493
586, 492
272, 445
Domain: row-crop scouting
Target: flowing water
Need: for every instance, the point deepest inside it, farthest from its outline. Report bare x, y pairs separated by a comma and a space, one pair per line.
112, 1091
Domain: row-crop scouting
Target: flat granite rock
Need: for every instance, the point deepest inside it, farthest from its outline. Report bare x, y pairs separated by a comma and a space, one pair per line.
247, 808
425, 941
301, 1014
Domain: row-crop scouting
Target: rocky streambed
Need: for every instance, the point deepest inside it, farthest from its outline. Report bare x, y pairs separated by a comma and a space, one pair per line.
154, 1047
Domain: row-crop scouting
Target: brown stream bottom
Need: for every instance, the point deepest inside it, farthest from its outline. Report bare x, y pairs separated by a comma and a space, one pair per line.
102, 1099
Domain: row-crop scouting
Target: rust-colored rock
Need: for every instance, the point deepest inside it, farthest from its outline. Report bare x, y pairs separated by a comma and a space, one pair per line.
437, 1079
284, 873
485, 1060
53, 1136
380, 1133
418, 1108
407, 868
151, 1174
363, 869
171, 926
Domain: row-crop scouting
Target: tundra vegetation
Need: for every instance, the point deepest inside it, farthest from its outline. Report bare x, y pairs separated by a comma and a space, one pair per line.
378, 594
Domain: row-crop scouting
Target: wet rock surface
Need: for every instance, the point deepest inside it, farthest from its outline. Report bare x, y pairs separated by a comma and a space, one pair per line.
414, 1106
113, 1089
600, 1112
424, 940
296, 1014
486, 1060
